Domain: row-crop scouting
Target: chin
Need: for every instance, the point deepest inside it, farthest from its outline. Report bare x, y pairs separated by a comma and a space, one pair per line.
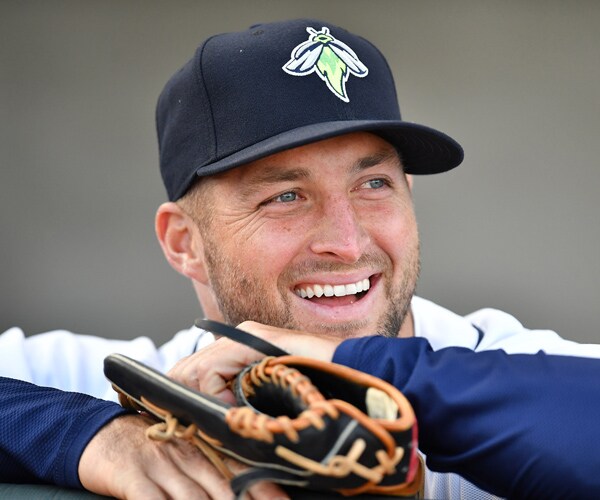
344, 330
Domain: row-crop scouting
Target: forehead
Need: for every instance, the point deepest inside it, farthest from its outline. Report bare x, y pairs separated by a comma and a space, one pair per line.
348, 152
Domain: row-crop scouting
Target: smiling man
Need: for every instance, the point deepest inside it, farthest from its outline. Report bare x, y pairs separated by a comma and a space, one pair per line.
293, 161
288, 170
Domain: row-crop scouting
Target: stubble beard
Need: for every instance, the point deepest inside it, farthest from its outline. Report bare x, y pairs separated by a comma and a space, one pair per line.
240, 296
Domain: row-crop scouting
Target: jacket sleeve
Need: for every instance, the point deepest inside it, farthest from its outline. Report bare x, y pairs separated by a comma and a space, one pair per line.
44, 431
515, 425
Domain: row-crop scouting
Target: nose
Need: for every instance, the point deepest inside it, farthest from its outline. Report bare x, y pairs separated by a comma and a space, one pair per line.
339, 232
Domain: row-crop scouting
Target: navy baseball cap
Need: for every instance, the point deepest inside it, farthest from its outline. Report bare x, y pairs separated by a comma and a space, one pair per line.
276, 86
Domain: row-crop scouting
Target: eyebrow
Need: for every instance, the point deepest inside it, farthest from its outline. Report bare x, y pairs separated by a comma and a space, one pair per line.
273, 174
376, 159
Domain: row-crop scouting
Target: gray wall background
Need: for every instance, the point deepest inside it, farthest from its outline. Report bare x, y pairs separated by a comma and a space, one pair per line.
515, 227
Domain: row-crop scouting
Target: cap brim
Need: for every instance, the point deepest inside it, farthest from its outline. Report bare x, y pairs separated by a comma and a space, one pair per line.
423, 150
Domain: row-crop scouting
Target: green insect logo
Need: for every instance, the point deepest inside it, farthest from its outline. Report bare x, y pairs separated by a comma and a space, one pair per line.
329, 58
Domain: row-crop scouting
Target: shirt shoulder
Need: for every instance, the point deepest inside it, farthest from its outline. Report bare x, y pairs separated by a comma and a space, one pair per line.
488, 329
442, 327
503, 331
74, 362
183, 343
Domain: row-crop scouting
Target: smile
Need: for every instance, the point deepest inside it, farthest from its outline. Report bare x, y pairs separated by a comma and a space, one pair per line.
310, 291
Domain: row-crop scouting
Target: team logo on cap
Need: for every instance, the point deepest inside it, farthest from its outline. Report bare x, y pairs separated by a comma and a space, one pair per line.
329, 58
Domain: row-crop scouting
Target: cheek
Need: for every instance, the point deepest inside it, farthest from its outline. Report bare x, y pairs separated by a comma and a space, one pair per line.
393, 228
274, 246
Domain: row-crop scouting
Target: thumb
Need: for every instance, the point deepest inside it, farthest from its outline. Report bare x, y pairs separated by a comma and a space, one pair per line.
215, 385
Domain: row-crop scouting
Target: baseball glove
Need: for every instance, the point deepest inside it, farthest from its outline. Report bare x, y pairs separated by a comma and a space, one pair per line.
298, 421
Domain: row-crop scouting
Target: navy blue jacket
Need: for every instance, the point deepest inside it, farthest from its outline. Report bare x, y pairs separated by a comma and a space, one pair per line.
44, 431
518, 426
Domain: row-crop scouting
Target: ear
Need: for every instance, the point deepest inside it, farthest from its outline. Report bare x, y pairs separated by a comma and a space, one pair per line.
409, 181
181, 241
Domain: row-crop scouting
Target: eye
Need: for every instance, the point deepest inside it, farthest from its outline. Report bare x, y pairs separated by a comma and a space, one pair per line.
375, 184
283, 198
286, 197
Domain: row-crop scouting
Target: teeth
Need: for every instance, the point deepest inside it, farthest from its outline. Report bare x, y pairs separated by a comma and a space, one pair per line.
333, 290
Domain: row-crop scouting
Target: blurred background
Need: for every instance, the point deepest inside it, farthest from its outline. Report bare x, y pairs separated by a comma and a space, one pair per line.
515, 227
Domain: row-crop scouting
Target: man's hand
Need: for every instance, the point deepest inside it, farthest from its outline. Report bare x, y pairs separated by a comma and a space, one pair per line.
121, 461
209, 369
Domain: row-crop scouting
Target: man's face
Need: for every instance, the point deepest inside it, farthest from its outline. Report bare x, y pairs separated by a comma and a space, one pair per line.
320, 238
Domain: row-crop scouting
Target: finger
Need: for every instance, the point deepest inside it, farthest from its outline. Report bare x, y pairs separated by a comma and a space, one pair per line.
143, 488
267, 491
297, 342
226, 396
209, 369
262, 490
168, 484
206, 483
215, 385
189, 474
184, 372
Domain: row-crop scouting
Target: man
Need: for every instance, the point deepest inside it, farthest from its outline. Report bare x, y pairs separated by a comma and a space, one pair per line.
287, 167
